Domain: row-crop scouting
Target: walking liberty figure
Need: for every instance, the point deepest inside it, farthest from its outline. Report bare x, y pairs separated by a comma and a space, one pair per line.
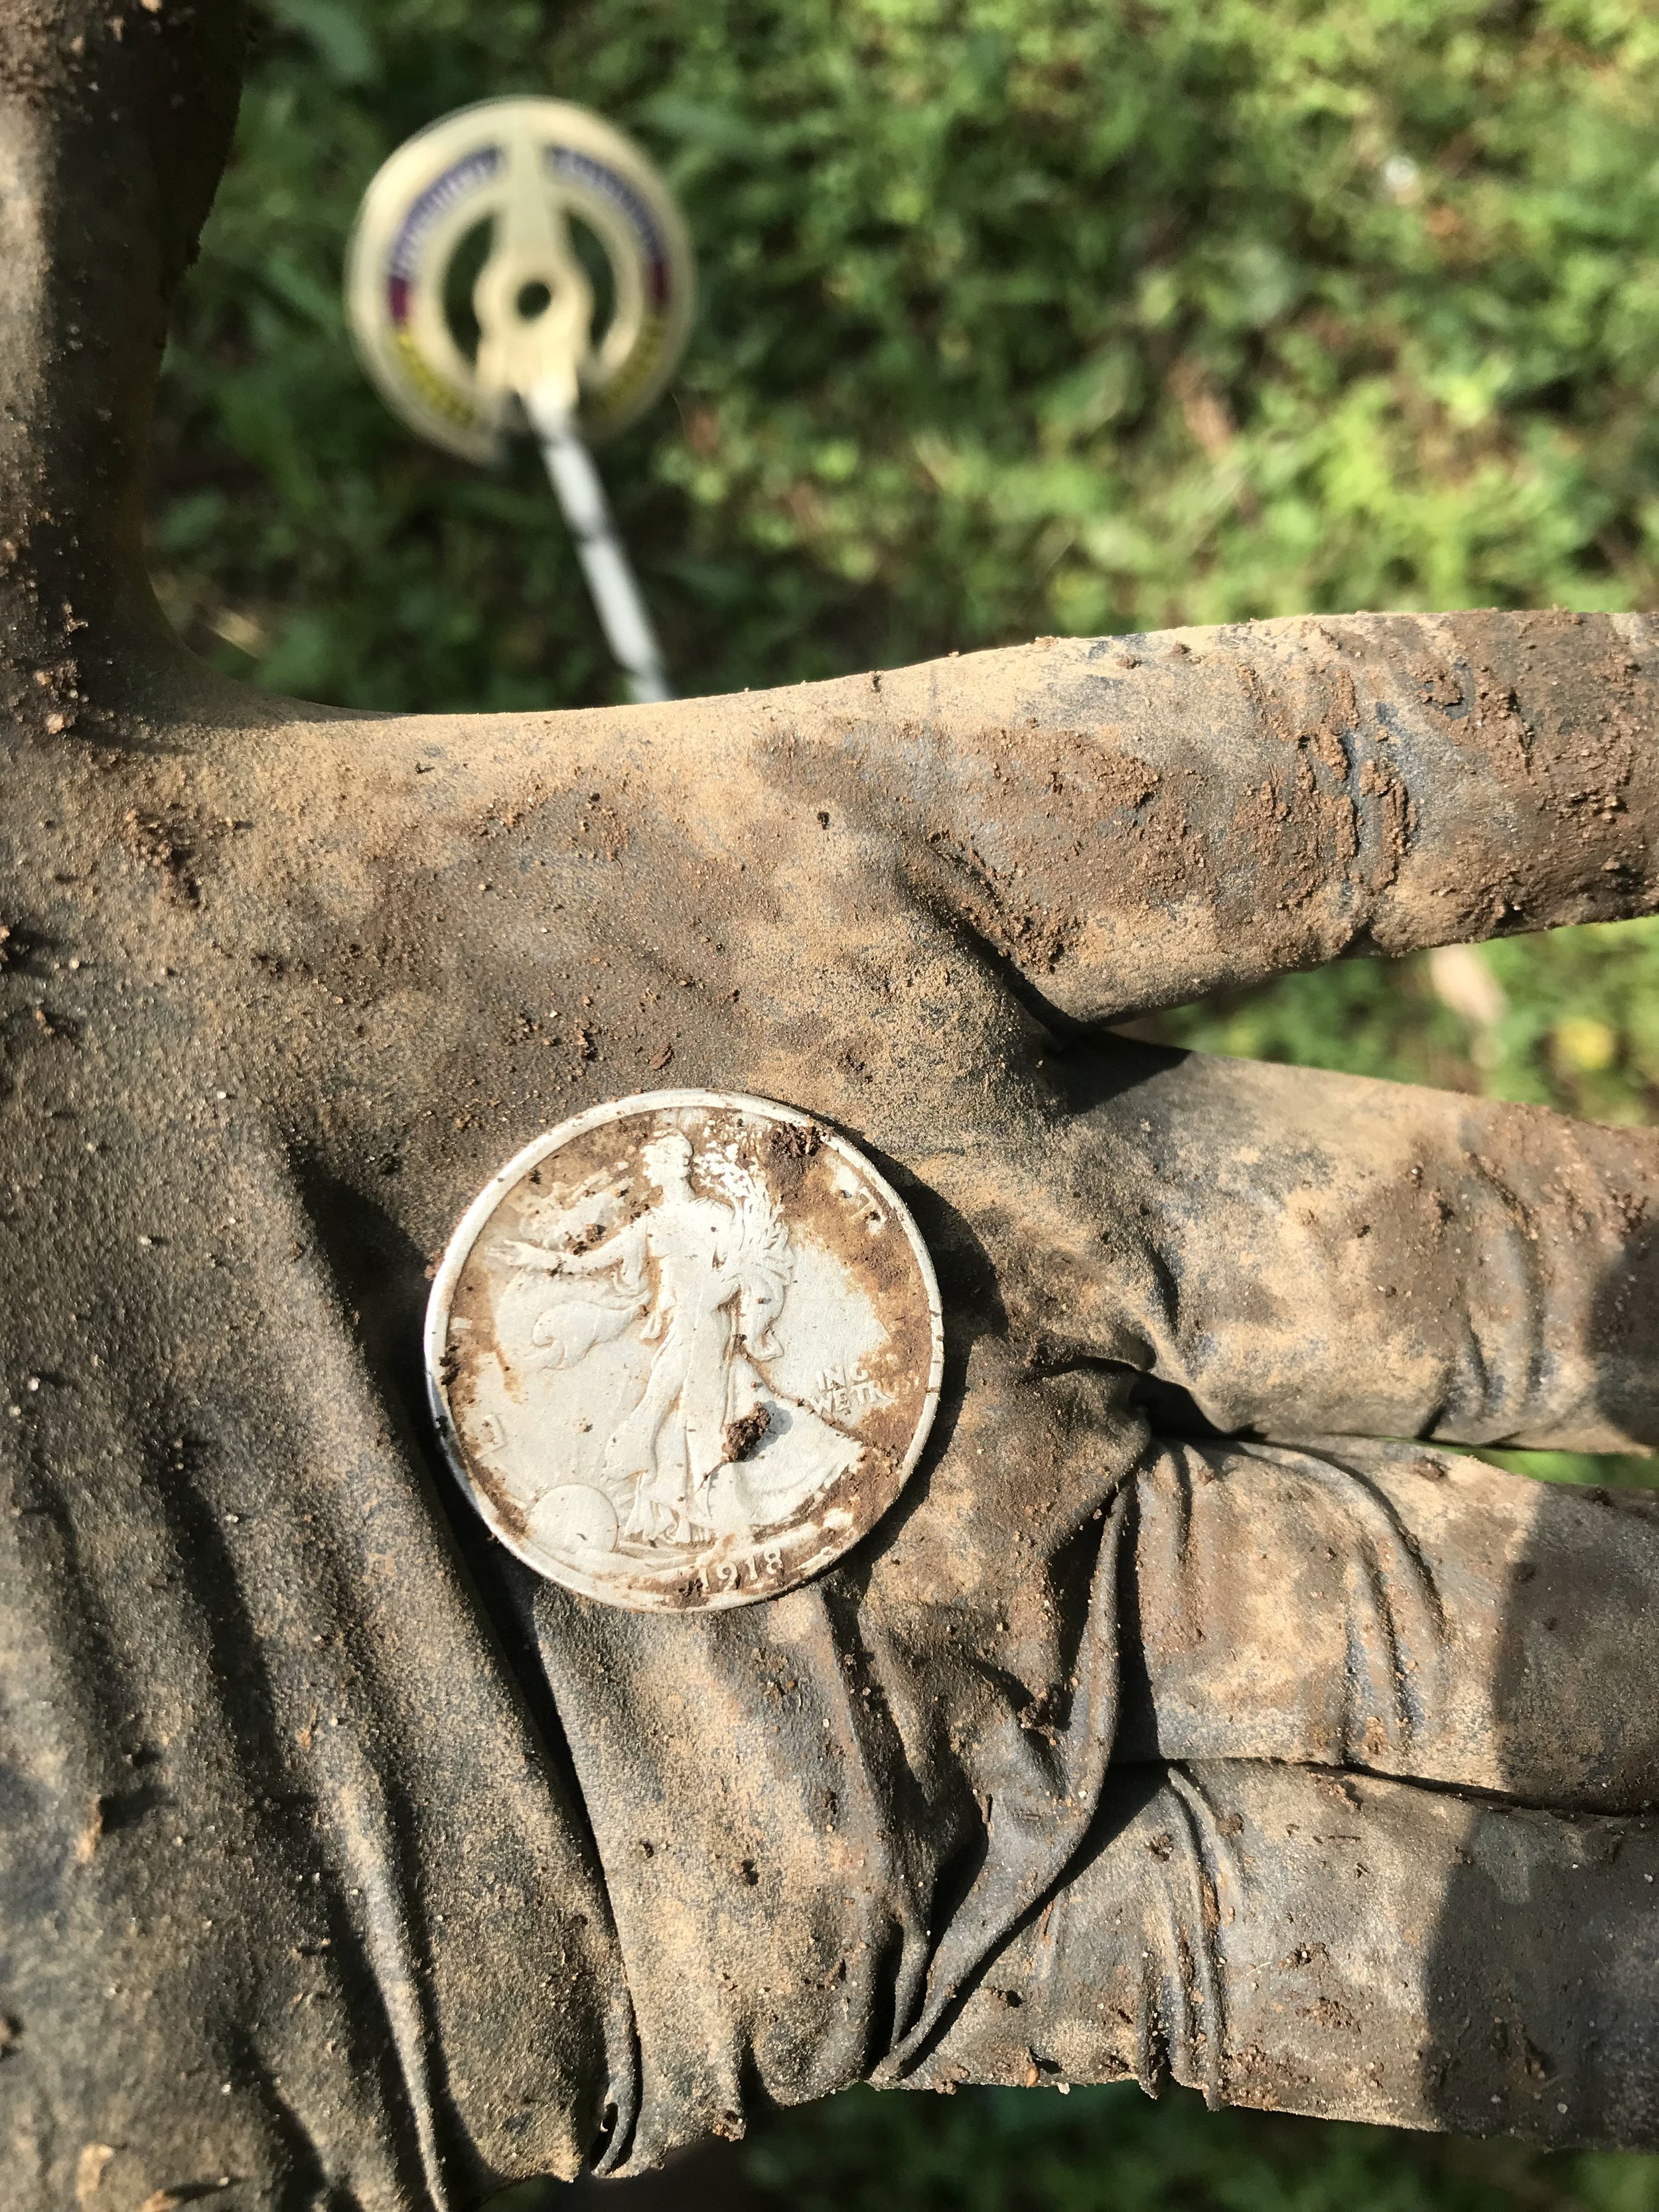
711, 1279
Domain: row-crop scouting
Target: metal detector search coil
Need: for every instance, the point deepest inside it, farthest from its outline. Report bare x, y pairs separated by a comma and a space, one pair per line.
524, 171
527, 168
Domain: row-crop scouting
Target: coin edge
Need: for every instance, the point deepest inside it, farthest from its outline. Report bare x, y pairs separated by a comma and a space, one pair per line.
482, 1208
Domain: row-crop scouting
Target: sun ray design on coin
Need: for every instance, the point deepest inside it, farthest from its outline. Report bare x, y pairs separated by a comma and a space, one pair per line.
684, 1350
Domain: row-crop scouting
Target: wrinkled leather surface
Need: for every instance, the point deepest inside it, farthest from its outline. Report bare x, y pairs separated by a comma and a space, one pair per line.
346, 1861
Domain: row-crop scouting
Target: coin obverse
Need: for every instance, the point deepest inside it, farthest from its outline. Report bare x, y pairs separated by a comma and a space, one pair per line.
684, 1350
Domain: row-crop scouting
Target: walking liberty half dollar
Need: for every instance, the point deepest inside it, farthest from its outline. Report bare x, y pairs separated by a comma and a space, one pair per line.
684, 1350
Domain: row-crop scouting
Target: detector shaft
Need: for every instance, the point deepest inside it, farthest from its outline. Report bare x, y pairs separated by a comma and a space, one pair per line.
610, 578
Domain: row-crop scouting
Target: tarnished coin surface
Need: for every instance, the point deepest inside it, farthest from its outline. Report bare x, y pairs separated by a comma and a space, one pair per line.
684, 1350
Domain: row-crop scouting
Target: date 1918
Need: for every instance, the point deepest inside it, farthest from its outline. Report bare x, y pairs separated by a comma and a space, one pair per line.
748, 1570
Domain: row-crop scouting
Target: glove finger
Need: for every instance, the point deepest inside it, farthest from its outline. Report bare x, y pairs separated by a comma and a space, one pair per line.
1300, 1254
1133, 821
1405, 1612
1322, 1943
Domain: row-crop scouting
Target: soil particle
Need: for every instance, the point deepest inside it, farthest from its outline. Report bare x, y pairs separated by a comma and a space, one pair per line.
165, 847
740, 1437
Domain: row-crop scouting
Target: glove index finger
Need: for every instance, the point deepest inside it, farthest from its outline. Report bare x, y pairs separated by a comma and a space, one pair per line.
1135, 821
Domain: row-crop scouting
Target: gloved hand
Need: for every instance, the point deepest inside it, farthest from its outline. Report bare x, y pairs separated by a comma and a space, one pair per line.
1195, 1710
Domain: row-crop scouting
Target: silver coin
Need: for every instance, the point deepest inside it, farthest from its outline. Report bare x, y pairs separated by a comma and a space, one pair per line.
684, 1350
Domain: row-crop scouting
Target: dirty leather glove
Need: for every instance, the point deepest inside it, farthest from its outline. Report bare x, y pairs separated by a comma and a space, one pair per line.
1180, 1719
1130, 1739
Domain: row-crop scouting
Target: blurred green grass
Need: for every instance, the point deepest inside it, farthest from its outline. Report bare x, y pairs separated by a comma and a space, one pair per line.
1112, 2149
1019, 317
1569, 1020
1105, 2150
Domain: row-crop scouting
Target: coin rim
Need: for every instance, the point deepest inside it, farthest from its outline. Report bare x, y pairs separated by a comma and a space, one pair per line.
482, 1210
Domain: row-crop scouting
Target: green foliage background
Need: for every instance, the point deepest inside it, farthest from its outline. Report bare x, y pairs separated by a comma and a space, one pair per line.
1019, 317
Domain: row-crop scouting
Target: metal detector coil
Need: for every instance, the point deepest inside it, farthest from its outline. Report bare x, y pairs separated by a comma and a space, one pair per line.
493, 192
526, 169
